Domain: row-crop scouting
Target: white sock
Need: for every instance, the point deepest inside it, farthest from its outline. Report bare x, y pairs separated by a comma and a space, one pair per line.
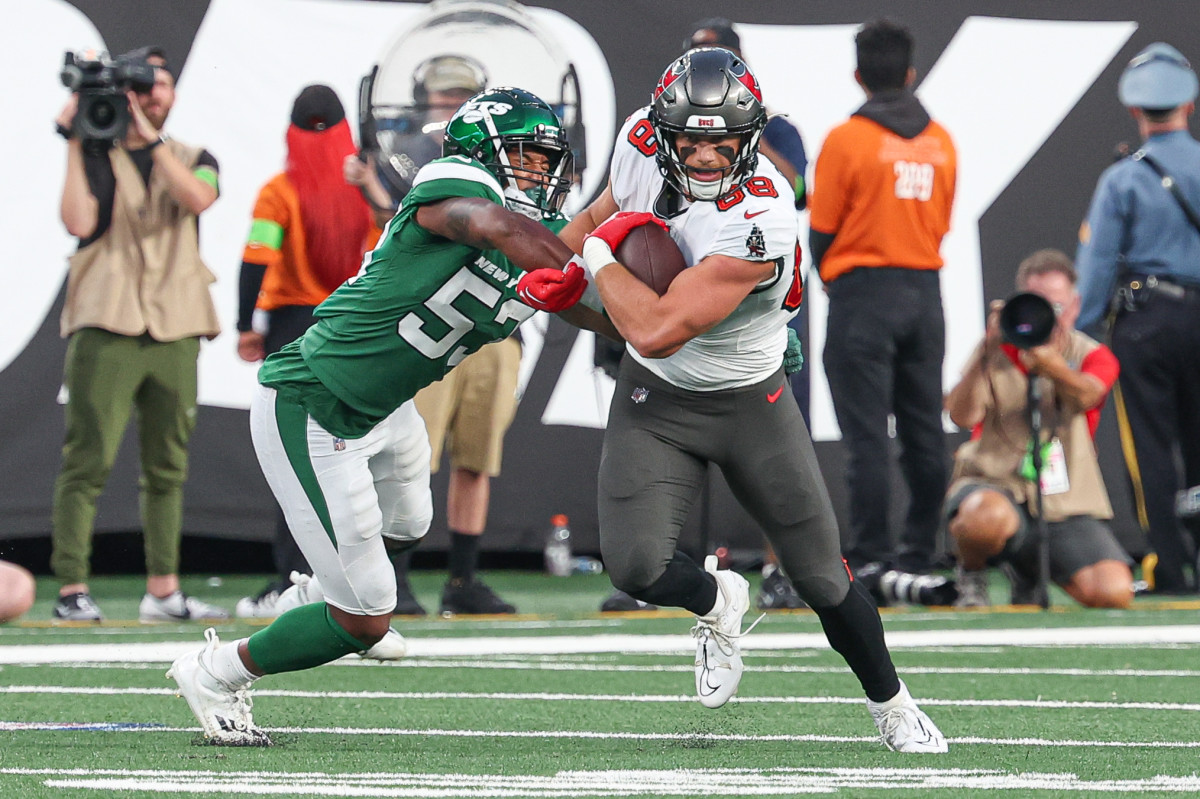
227, 667
897, 700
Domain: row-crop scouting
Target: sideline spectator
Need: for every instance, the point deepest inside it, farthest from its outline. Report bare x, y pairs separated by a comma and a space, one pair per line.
988, 506
1139, 251
469, 410
882, 192
307, 237
137, 305
16, 591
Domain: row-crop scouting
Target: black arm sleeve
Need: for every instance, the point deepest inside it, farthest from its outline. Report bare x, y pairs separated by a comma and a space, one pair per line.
249, 282
818, 244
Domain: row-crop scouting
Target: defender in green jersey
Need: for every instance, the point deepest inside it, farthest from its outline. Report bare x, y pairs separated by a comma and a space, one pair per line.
465, 260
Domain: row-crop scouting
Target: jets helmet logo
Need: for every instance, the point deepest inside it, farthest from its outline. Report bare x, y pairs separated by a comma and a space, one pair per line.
477, 112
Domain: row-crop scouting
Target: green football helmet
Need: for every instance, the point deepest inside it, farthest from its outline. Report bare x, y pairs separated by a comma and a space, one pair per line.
494, 127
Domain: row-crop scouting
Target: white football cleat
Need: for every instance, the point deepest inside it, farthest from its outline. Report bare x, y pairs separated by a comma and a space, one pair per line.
261, 606
305, 590
904, 727
718, 652
224, 713
177, 607
391, 647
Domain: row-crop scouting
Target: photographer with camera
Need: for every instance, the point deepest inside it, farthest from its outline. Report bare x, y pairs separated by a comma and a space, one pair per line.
136, 308
991, 505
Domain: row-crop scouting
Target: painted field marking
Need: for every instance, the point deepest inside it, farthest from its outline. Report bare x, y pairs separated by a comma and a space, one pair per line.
642, 782
566, 664
1037, 704
167, 651
638, 736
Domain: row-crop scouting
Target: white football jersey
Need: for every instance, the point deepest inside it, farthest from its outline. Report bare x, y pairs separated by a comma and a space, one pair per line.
755, 222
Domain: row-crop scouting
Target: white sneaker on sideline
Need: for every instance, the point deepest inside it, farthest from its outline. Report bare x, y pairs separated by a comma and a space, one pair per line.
305, 590
224, 713
718, 652
261, 606
904, 727
391, 647
178, 607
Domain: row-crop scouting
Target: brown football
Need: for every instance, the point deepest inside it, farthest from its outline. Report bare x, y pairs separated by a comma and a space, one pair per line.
652, 256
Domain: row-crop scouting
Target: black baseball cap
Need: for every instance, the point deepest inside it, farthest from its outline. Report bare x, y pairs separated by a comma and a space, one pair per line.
151, 51
317, 107
712, 31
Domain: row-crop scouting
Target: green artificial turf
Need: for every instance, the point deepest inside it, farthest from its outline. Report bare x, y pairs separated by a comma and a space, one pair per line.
1023, 721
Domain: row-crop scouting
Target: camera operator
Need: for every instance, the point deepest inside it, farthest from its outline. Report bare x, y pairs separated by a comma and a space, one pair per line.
988, 506
137, 305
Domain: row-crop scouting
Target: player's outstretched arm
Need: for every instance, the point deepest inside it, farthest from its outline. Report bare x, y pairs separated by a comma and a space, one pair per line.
485, 225
528, 244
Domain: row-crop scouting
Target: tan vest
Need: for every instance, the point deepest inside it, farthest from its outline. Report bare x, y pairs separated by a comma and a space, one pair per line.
144, 274
997, 454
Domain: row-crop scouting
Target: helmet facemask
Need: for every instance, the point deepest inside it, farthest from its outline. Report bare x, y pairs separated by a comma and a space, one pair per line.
495, 128
709, 92
545, 191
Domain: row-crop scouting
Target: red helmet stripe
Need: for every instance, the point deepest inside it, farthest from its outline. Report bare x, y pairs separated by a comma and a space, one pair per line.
747, 80
669, 77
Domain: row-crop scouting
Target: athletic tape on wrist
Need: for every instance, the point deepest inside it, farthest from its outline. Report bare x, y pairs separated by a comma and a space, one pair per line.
597, 253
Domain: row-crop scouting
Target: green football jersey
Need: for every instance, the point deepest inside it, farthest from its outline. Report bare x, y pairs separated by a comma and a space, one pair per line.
419, 305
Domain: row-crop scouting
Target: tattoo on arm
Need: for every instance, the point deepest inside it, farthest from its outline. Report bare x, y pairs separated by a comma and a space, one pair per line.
458, 223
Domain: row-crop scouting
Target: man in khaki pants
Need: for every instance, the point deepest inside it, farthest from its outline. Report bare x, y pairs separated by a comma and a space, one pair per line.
468, 412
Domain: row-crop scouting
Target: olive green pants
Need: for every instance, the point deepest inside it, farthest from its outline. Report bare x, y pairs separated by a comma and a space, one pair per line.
107, 376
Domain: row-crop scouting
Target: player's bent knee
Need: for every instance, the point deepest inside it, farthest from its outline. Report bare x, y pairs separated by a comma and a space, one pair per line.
822, 592
633, 579
367, 629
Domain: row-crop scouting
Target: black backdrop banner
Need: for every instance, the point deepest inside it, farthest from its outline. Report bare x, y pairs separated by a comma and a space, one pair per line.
234, 85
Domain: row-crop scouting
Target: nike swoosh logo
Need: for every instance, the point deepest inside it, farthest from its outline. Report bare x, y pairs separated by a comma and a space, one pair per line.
749, 215
774, 395
705, 682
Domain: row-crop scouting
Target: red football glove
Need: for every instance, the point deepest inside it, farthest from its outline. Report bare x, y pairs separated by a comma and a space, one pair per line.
552, 290
614, 229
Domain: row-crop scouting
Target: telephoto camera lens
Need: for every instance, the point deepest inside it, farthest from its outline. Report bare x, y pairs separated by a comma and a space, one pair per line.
891, 587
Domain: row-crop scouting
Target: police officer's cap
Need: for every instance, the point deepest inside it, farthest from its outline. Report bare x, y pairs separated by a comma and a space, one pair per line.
1157, 78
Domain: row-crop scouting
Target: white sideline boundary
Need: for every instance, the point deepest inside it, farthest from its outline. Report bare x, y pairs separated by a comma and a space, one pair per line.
167, 651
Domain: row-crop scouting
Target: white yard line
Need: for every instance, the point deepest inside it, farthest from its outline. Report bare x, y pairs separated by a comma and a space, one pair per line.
167, 651
1038, 704
600, 783
538, 663
611, 736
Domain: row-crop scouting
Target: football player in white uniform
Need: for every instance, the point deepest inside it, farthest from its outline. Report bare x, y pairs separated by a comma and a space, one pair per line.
705, 383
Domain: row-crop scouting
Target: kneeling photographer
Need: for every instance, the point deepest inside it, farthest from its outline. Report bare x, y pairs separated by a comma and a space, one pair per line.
137, 305
991, 507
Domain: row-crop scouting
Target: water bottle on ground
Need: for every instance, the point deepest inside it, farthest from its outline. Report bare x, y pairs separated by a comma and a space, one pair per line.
558, 547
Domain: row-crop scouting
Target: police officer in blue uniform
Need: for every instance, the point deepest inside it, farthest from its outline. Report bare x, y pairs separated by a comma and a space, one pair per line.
1139, 256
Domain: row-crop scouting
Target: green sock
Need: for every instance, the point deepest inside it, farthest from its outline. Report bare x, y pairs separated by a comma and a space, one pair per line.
300, 639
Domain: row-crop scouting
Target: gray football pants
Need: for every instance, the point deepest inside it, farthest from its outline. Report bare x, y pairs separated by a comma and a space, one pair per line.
657, 448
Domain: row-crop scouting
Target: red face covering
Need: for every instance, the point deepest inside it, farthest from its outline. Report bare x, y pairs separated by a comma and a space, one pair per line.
334, 214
